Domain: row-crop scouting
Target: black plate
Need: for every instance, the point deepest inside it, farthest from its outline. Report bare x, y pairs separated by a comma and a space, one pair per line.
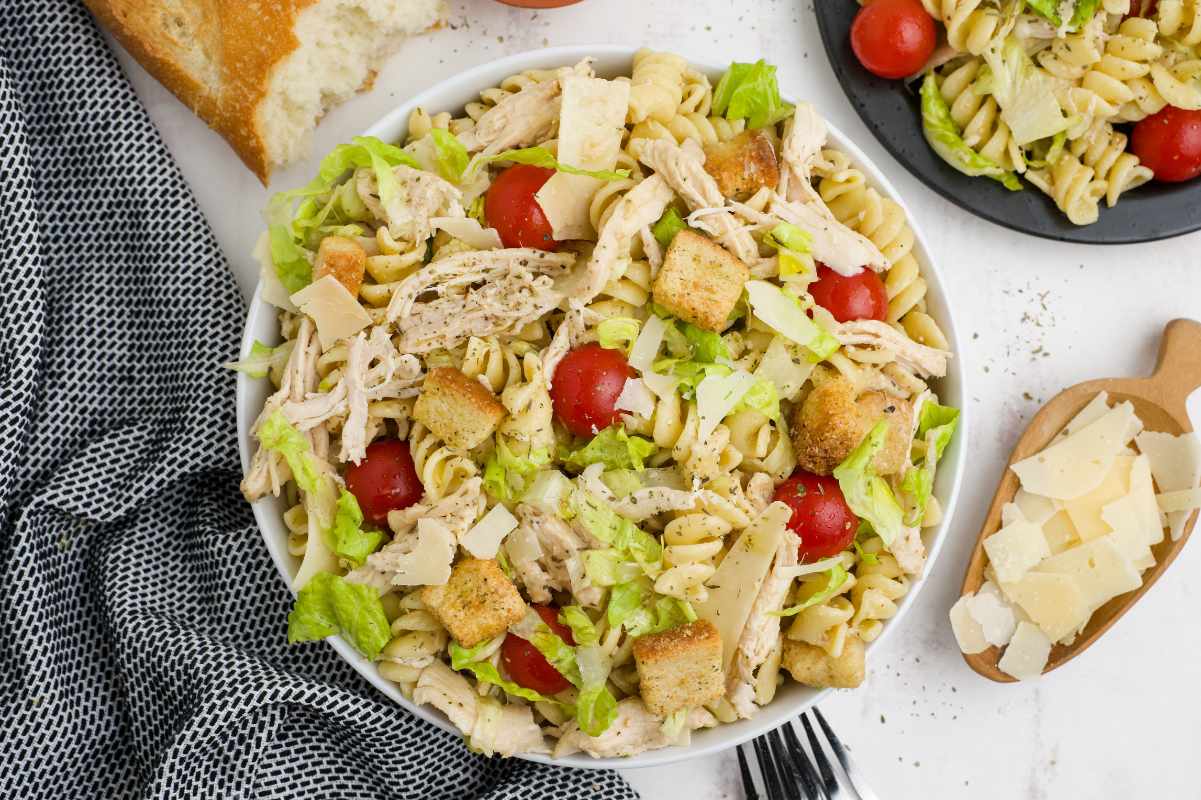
890, 110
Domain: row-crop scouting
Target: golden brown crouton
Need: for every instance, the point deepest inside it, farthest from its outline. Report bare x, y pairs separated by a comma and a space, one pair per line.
832, 421
343, 258
478, 602
813, 666
680, 668
458, 409
744, 164
700, 281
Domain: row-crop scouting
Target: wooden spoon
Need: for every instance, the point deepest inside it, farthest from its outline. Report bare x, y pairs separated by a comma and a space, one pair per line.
1159, 402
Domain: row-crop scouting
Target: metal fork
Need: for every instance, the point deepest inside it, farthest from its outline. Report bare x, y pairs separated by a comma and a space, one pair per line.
788, 772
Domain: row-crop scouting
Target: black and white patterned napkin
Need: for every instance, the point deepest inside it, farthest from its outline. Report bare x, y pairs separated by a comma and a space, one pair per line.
143, 647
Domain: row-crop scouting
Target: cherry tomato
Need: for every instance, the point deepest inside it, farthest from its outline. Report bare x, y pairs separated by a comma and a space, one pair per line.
511, 208
384, 480
1169, 143
893, 38
860, 296
586, 386
529, 668
821, 517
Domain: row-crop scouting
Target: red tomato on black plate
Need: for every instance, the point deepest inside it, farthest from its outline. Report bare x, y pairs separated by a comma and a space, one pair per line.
1169, 143
385, 480
860, 296
529, 668
586, 386
893, 38
511, 208
821, 517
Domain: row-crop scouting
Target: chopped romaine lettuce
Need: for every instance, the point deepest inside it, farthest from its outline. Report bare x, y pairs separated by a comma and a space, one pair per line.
465, 658
347, 538
944, 138
608, 567
1024, 92
837, 577
582, 628
262, 359
548, 491
867, 494
618, 333
1082, 12
626, 599
506, 474
705, 345
461, 656
751, 92
762, 397
595, 708
279, 435
329, 604
782, 313
668, 226
450, 154
614, 448
936, 425
541, 157
609, 527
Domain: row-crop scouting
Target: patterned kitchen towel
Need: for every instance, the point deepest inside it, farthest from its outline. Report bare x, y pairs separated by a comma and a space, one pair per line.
143, 647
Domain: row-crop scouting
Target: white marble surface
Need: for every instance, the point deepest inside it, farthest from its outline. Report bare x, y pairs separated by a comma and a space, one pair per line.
1124, 721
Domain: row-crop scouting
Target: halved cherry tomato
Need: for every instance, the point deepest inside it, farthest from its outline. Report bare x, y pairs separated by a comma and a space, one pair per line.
586, 386
385, 480
821, 517
1169, 143
860, 296
511, 208
893, 38
529, 668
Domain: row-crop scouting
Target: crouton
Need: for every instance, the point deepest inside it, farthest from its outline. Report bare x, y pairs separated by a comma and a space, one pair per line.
458, 409
832, 421
343, 258
477, 603
813, 666
700, 281
744, 164
680, 668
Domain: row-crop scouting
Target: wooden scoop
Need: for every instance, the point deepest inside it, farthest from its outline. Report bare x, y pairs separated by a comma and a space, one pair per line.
1159, 401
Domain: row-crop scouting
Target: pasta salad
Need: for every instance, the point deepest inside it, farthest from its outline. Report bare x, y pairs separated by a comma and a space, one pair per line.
600, 410
1085, 99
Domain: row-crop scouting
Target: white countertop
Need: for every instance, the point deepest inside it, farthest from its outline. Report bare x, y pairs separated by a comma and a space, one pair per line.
1122, 722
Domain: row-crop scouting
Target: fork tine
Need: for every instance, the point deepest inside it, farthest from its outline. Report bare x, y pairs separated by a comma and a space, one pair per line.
853, 776
748, 781
819, 755
788, 773
814, 785
771, 780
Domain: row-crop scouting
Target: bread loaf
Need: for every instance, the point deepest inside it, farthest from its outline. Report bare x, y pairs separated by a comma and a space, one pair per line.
262, 72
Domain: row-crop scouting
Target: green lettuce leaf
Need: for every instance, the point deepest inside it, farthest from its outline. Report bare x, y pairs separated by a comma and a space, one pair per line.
618, 333
595, 709
261, 359
1025, 93
936, 425
614, 448
751, 92
329, 604
706, 346
507, 474
1082, 12
622, 481
935, 416
450, 155
541, 157
609, 527
867, 494
762, 397
469, 659
626, 599
347, 537
279, 435
582, 628
782, 312
668, 226
793, 248
944, 138
837, 577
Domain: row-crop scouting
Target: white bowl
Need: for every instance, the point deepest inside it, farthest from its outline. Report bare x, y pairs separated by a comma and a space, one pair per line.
792, 698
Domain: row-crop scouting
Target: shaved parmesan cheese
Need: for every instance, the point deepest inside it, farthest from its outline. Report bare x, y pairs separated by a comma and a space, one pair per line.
335, 310
271, 290
1010, 514
716, 397
636, 398
736, 583
1060, 533
968, 633
1085, 511
1027, 654
1015, 549
428, 563
662, 385
1034, 508
469, 231
591, 123
1184, 500
993, 613
1176, 465
1053, 602
484, 538
786, 366
646, 346
1142, 489
1098, 567
1096, 408
523, 545
1074, 466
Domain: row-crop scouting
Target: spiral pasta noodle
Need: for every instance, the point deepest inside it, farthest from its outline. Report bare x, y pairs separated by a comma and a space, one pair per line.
978, 116
1073, 186
681, 127
764, 445
656, 86
496, 365
440, 469
879, 584
1128, 55
417, 639
1104, 150
971, 24
692, 541
1180, 20
627, 293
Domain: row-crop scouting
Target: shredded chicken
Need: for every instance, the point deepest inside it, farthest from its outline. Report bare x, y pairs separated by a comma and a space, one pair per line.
449, 692
910, 551
523, 118
561, 565
759, 492
268, 471
635, 730
927, 361
457, 511
741, 695
638, 208
683, 167
642, 504
571, 333
475, 293
420, 196
505, 730
834, 244
762, 629
804, 137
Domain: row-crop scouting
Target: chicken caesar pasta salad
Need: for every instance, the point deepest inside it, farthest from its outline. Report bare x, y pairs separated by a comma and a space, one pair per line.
601, 409
1086, 99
